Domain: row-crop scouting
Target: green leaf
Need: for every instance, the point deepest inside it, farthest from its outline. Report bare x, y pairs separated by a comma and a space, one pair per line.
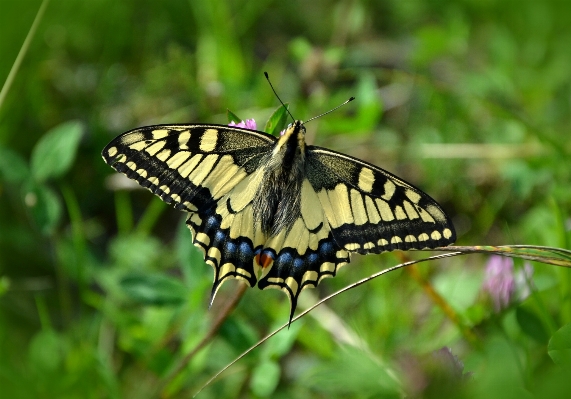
13, 168
300, 48
55, 152
265, 378
232, 117
559, 347
531, 325
153, 289
135, 251
44, 205
277, 121
45, 351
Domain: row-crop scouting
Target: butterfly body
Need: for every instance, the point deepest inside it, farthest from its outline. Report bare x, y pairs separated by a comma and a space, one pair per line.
274, 210
277, 203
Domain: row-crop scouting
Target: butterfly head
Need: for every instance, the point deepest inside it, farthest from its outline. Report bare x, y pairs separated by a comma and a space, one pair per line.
295, 128
292, 141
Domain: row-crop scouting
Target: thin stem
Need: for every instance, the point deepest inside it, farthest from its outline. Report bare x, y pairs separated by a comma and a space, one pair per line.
43, 313
78, 237
22, 52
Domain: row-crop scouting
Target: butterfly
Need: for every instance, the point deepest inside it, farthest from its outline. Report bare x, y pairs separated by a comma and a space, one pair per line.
275, 210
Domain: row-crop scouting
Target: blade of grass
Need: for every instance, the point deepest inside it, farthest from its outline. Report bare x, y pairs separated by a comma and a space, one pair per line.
79, 242
22, 52
549, 255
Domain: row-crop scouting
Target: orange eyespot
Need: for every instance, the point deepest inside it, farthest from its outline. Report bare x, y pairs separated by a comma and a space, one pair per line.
264, 260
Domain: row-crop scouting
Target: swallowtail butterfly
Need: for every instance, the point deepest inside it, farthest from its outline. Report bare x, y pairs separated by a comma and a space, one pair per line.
277, 211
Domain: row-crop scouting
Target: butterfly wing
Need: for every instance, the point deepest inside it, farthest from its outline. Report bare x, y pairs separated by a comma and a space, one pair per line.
208, 171
371, 210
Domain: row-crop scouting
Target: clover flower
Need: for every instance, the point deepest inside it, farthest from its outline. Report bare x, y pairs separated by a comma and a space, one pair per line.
249, 124
503, 285
499, 281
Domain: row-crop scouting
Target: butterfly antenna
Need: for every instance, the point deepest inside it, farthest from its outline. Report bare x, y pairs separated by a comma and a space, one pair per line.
274, 90
331, 110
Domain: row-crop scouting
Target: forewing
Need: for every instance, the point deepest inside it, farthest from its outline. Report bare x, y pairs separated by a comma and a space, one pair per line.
370, 210
198, 168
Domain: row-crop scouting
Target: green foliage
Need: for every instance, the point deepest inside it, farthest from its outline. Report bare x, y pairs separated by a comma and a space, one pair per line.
531, 325
13, 168
153, 289
232, 117
560, 346
277, 121
54, 153
102, 293
44, 205
265, 378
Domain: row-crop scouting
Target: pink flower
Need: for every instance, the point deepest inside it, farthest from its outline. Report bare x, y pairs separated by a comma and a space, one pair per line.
499, 281
503, 285
249, 124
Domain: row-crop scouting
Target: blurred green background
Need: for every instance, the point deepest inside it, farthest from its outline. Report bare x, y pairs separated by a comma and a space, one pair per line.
103, 295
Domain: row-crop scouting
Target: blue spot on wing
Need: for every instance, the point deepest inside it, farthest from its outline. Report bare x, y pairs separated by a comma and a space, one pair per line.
312, 258
289, 263
299, 263
230, 247
284, 258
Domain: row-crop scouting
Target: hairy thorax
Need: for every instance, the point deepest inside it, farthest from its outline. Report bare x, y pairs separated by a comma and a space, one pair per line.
277, 205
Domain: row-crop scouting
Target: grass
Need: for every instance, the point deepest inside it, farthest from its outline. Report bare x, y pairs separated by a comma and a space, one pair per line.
102, 293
